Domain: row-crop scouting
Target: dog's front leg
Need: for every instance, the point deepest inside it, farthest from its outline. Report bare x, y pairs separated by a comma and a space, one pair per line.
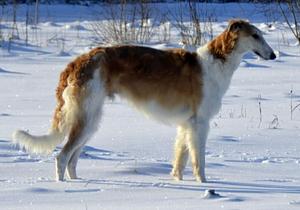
180, 153
197, 136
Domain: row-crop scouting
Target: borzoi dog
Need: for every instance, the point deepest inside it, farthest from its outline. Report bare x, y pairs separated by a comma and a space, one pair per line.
172, 86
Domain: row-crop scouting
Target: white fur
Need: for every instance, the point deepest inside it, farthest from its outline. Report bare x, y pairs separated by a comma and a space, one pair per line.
216, 80
94, 102
216, 77
70, 109
153, 110
37, 144
45, 144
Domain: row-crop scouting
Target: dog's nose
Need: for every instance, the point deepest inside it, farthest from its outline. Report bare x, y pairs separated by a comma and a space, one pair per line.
272, 56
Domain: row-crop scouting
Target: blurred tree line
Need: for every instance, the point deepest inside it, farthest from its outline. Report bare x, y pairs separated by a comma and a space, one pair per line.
88, 2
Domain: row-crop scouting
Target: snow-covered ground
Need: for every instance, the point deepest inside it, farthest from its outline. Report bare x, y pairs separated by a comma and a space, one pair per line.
252, 164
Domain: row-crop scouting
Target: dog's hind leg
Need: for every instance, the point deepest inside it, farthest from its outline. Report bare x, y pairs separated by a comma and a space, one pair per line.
180, 154
71, 167
85, 120
74, 142
79, 135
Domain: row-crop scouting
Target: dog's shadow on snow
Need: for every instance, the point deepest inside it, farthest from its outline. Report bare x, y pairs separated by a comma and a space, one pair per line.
242, 187
89, 152
159, 171
10, 153
219, 186
228, 191
6, 72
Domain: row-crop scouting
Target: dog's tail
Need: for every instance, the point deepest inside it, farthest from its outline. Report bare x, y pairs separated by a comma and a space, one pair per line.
45, 144
38, 144
68, 111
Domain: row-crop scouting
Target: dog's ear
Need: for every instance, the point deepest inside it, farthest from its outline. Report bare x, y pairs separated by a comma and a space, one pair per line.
235, 25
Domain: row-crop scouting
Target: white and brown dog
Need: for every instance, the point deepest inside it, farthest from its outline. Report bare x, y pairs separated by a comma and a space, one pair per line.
172, 86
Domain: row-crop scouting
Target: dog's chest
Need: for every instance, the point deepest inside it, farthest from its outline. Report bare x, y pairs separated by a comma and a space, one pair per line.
215, 84
171, 115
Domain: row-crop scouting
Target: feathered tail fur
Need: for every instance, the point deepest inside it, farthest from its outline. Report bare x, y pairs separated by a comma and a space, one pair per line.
69, 98
44, 144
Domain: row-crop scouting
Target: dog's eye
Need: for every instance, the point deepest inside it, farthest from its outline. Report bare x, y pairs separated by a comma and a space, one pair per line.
255, 36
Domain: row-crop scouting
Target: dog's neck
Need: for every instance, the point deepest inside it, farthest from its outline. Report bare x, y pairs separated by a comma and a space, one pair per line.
220, 60
223, 45
224, 51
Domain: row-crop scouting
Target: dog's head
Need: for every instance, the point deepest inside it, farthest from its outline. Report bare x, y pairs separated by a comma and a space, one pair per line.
250, 38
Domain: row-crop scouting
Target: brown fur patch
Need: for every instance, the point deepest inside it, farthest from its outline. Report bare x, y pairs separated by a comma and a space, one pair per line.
171, 77
225, 43
77, 73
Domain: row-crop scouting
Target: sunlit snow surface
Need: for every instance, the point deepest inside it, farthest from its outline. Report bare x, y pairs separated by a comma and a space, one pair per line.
251, 164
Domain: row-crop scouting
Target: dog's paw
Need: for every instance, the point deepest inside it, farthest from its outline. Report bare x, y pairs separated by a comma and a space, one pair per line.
176, 175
